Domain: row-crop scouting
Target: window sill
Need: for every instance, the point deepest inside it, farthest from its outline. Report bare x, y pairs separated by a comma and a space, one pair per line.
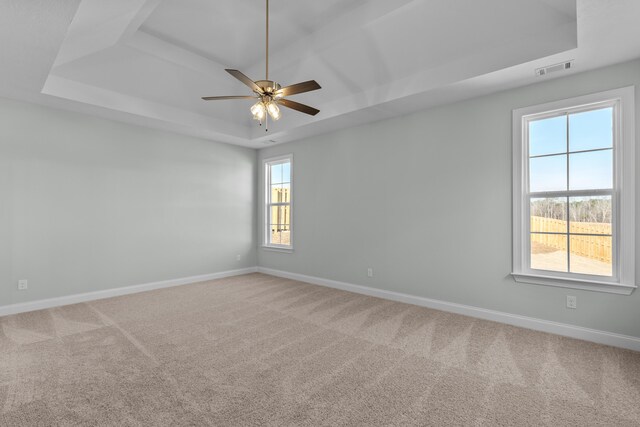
277, 249
587, 285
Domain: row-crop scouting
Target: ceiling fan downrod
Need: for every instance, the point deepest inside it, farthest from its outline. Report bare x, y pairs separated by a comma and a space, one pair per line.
267, 45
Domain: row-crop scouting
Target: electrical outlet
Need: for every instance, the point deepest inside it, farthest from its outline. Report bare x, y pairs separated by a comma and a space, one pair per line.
23, 285
572, 301
238, 257
369, 272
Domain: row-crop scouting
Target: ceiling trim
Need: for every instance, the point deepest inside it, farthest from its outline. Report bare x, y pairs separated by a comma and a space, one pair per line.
80, 92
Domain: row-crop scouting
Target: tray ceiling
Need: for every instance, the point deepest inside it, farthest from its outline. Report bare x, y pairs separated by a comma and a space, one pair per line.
150, 61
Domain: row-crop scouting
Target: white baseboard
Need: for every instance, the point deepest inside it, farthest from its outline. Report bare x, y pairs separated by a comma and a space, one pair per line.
593, 335
108, 293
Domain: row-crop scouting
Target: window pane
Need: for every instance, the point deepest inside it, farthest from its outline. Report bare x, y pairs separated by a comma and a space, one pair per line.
280, 234
549, 215
278, 209
286, 172
549, 252
276, 174
548, 173
275, 234
592, 255
590, 215
593, 170
281, 215
591, 130
548, 136
280, 193
285, 234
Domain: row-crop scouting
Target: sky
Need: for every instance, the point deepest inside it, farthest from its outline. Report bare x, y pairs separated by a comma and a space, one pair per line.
588, 130
281, 173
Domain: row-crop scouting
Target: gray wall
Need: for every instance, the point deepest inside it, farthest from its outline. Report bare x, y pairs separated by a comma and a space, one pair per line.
425, 200
89, 204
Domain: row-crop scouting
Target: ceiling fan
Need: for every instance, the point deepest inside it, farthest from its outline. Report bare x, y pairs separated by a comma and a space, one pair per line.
269, 93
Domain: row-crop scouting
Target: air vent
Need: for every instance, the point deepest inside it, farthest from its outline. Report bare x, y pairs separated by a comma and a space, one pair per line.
553, 68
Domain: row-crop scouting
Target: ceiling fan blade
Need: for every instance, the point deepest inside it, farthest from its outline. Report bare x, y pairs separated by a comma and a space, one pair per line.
307, 86
246, 80
216, 98
298, 107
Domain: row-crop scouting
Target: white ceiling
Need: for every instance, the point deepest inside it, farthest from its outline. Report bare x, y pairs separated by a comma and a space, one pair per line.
150, 61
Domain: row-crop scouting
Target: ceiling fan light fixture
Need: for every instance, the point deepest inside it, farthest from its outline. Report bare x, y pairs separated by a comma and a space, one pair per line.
258, 110
273, 110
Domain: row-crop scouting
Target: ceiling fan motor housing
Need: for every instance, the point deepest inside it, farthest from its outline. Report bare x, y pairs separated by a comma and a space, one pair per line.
268, 86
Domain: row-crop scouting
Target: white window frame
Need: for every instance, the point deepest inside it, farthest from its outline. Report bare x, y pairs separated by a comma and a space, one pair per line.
267, 163
623, 194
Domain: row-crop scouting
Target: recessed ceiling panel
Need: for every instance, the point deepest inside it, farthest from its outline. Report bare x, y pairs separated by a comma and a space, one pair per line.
232, 32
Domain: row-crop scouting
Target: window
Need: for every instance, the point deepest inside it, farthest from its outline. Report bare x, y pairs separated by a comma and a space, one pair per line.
278, 230
574, 223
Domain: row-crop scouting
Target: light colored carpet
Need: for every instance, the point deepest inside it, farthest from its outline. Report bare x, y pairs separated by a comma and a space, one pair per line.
261, 350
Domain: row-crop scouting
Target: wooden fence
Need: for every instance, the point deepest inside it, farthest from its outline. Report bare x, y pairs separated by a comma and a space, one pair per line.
594, 247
